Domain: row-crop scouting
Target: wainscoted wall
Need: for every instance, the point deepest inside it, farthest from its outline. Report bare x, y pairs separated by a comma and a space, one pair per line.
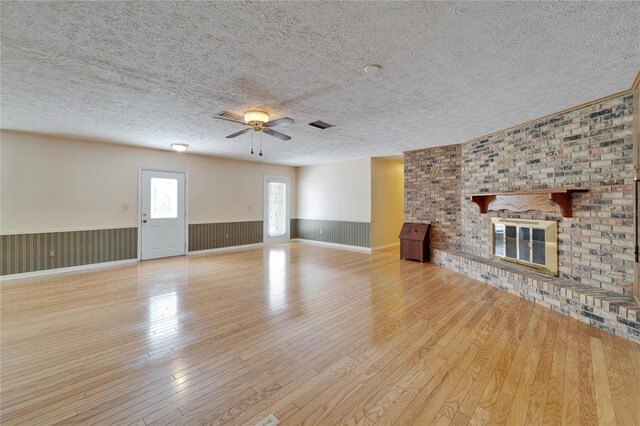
81, 192
335, 199
333, 231
337, 191
206, 236
31, 252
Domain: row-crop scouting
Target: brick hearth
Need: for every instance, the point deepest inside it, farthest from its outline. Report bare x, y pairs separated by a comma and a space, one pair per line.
608, 310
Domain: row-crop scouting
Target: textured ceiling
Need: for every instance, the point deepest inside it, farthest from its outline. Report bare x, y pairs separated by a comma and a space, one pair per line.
154, 73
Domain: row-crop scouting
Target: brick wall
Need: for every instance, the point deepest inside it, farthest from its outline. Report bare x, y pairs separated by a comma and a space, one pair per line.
590, 147
432, 193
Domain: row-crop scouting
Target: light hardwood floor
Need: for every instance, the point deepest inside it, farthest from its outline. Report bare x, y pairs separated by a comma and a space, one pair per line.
312, 335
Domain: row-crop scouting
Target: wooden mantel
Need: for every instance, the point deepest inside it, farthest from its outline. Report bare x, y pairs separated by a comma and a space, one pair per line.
544, 200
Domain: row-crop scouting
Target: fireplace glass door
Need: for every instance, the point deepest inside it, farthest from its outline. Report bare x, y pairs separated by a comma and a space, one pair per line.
526, 242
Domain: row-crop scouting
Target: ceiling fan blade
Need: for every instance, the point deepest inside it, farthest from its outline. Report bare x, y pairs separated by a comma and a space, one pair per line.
276, 134
241, 132
279, 122
224, 115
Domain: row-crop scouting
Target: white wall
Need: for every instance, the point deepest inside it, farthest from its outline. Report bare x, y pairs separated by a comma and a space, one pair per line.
55, 183
387, 201
336, 191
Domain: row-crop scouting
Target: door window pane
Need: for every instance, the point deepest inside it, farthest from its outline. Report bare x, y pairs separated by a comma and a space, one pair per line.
277, 204
524, 248
164, 198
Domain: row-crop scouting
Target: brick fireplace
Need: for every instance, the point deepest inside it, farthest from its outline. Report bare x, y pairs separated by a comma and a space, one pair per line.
587, 148
531, 244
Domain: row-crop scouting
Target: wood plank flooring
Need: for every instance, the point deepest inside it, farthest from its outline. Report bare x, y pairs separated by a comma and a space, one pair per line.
312, 335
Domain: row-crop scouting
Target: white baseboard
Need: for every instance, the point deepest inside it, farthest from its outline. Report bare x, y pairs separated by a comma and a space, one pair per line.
67, 270
386, 246
333, 245
225, 249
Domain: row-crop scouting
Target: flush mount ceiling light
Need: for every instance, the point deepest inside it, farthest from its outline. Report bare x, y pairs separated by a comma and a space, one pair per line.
258, 122
372, 69
180, 147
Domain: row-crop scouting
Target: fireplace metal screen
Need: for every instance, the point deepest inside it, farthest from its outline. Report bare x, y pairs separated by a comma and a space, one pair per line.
531, 243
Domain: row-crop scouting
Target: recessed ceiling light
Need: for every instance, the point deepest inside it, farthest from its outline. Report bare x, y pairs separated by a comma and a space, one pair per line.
372, 69
180, 147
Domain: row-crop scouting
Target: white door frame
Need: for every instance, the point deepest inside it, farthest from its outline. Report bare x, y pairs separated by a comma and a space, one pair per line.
186, 206
265, 210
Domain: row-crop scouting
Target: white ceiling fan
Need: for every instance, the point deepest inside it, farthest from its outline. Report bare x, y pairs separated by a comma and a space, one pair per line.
258, 121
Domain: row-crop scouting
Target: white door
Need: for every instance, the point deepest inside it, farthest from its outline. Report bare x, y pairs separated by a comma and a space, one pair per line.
277, 191
163, 215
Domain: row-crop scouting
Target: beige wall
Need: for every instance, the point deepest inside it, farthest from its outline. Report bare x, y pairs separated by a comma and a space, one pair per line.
387, 201
336, 191
53, 183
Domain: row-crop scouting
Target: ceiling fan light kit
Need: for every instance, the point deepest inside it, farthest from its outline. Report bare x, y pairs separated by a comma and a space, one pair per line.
255, 115
258, 122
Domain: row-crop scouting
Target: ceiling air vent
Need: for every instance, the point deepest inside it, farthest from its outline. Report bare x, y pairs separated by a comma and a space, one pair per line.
321, 124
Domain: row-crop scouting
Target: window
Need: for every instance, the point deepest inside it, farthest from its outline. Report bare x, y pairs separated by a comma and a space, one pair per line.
164, 198
277, 192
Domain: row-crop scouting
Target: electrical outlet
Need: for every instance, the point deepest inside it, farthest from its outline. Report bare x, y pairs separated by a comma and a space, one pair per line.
52, 253
226, 236
321, 232
270, 420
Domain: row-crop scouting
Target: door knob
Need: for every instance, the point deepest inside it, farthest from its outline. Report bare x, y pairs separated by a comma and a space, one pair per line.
144, 220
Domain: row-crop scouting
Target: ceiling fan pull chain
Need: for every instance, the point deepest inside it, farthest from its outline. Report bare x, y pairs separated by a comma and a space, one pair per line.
260, 145
251, 143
